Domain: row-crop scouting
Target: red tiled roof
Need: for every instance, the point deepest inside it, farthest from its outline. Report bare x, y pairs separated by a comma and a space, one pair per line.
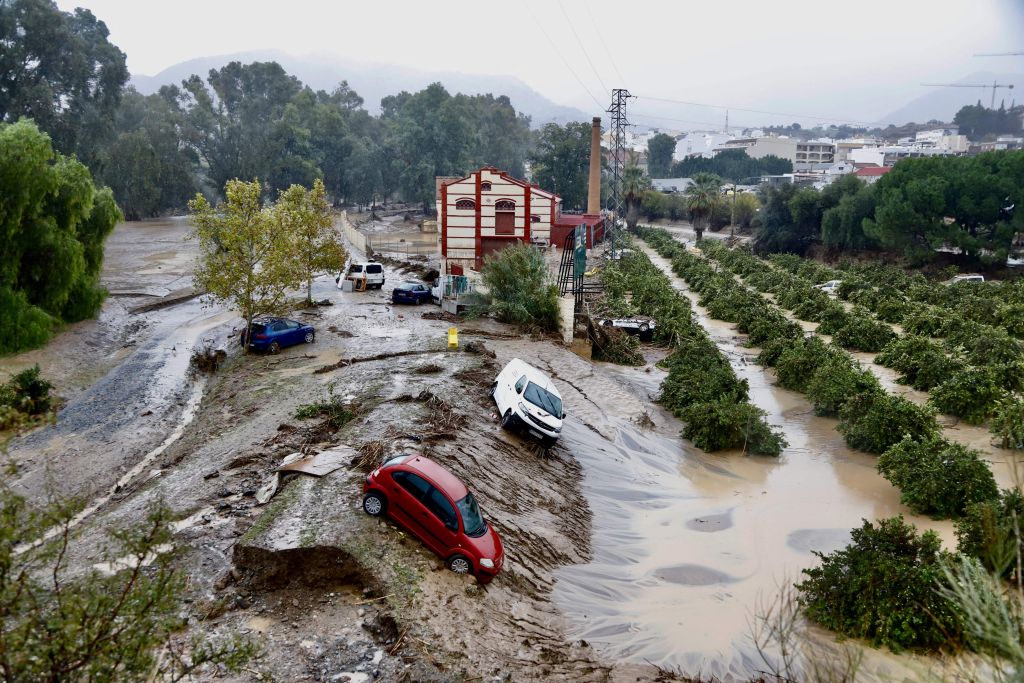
872, 171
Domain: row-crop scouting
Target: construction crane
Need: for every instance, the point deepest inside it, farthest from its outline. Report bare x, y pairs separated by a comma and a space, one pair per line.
998, 54
995, 86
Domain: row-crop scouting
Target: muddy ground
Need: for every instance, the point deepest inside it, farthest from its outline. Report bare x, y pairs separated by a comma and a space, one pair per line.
630, 553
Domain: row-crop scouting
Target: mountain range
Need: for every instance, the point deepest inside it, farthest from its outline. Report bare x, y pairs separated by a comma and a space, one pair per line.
942, 103
374, 81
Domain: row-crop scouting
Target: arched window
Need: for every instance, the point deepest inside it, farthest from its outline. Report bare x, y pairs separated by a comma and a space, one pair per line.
485, 186
504, 217
465, 205
535, 218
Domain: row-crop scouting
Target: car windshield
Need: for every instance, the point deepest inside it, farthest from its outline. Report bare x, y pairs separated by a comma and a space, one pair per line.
542, 398
472, 520
395, 461
407, 285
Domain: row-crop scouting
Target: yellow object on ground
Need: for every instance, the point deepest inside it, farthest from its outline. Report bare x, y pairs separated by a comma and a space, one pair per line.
453, 338
361, 284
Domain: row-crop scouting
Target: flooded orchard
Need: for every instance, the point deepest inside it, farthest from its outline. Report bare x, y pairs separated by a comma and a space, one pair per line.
630, 553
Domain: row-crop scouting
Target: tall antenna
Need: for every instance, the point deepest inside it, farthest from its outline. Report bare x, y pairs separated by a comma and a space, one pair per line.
726, 121
618, 126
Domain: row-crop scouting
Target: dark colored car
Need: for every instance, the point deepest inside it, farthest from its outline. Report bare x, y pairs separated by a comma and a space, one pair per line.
432, 504
411, 293
273, 334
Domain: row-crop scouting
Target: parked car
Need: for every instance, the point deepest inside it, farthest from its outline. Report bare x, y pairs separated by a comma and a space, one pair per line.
527, 398
274, 334
433, 505
371, 271
830, 287
957, 279
411, 293
641, 326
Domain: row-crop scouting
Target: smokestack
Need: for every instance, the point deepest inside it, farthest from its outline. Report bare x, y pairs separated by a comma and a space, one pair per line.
594, 189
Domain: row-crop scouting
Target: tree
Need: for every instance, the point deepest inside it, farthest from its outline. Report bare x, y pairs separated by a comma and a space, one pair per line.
52, 230
306, 216
733, 164
978, 121
560, 162
660, 149
701, 198
97, 626
634, 185
520, 287
745, 208
245, 260
59, 69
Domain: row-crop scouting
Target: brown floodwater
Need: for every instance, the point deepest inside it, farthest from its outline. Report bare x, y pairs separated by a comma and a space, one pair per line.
686, 544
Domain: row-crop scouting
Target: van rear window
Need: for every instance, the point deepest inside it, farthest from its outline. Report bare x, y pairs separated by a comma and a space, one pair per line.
374, 268
356, 269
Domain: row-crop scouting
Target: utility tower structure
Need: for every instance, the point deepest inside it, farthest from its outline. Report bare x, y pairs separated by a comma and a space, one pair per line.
617, 128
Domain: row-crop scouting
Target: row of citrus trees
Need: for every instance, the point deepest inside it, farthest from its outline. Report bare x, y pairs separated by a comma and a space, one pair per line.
976, 371
701, 389
888, 585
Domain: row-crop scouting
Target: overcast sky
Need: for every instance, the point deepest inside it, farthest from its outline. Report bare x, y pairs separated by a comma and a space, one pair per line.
857, 60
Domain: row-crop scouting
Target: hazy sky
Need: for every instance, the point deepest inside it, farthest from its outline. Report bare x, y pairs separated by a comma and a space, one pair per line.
856, 60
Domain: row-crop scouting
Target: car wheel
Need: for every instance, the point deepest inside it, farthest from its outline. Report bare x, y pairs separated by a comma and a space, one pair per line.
494, 388
274, 348
548, 442
644, 327
606, 323
460, 565
310, 337
374, 504
506, 419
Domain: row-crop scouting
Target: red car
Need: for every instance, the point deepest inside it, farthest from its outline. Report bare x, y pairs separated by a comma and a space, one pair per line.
434, 506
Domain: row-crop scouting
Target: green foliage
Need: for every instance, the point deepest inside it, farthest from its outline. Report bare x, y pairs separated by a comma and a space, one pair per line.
52, 230
863, 333
97, 626
660, 149
635, 184
732, 164
971, 393
842, 225
836, 381
60, 70
874, 421
921, 363
722, 424
560, 162
701, 198
1008, 422
884, 587
987, 533
977, 121
936, 477
520, 288
25, 397
797, 364
307, 217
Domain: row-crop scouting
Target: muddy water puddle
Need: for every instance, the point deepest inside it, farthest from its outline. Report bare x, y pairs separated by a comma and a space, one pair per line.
686, 544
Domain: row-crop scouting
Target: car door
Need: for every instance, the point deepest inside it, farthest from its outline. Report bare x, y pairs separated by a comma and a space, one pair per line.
407, 503
294, 332
276, 333
441, 522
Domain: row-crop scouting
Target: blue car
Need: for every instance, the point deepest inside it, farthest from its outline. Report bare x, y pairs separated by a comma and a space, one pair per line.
410, 293
273, 334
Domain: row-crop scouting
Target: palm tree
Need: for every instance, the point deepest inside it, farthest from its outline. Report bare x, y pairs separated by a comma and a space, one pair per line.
701, 198
634, 183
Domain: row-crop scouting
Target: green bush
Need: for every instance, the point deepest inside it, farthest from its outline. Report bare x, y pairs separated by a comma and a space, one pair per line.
884, 587
892, 308
836, 381
520, 287
27, 392
772, 350
797, 364
22, 325
971, 393
720, 425
1011, 318
863, 333
936, 477
921, 363
1008, 422
925, 321
986, 532
873, 421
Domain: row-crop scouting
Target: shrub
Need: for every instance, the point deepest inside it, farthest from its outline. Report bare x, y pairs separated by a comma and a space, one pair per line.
22, 325
1008, 422
520, 288
720, 425
921, 363
835, 382
773, 349
892, 309
925, 321
764, 324
936, 477
1011, 318
863, 333
797, 364
883, 587
971, 393
873, 421
986, 532
833, 318
27, 392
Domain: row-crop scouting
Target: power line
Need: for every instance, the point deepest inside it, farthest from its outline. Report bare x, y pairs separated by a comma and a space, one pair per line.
669, 118
557, 52
583, 48
757, 111
605, 46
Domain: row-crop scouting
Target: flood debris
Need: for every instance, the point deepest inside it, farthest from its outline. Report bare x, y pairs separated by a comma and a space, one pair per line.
345, 362
318, 465
207, 359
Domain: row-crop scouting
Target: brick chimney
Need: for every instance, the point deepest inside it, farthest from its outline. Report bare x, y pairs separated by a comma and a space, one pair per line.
594, 187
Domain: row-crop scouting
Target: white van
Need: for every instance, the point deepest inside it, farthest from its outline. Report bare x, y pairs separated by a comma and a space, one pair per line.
527, 398
371, 271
